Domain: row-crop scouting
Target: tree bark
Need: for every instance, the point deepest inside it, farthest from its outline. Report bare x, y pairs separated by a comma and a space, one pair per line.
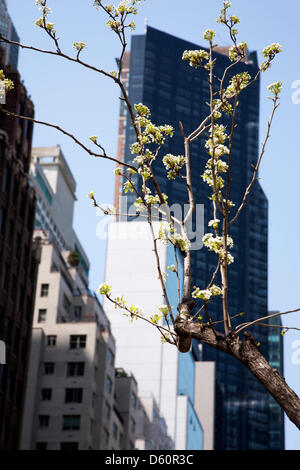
247, 352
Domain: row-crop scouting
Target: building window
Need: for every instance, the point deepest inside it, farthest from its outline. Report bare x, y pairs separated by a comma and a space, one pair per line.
71, 422
51, 340
48, 368
5, 181
41, 446
77, 312
2, 219
107, 409
108, 384
133, 399
42, 315
4, 280
73, 395
111, 357
106, 437
69, 446
75, 369
46, 394
44, 290
115, 431
44, 421
77, 341
66, 304
132, 425
13, 290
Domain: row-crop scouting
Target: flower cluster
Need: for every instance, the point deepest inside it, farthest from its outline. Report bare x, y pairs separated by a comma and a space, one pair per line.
221, 105
128, 186
275, 88
206, 294
168, 235
216, 244
172, 268
269, 52
104, 289
217, 138
216, 149
120, 11
94, 138
238, 51
43, 7
195, 58
237, 84
209, 34
164, 310
148, 134
217, 182
42, 22
79, 46
173, 164
6, 83
222, 17
120, 302
134, 312
155, 318
214, 223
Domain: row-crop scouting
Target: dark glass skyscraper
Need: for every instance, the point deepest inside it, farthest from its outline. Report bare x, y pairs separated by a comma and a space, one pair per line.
175, 92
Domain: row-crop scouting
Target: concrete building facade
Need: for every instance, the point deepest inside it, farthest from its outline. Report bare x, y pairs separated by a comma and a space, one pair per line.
71, 374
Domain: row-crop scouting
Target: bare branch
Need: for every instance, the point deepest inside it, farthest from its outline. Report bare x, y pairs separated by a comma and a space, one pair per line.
136, 315
244, 326
249, 187
63, 131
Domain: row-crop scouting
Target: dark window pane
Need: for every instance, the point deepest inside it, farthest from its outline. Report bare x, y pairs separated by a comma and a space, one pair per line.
46, 393
73, 395
71, 422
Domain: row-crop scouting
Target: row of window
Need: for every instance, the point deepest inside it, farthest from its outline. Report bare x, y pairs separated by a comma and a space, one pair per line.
74, 369
77, 313
63, 446
72, 395
69, 422
76, 341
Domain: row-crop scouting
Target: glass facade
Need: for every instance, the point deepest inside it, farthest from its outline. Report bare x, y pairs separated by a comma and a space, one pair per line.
175, 92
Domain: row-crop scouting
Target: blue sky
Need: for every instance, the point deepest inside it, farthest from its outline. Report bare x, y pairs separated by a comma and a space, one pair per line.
85, 103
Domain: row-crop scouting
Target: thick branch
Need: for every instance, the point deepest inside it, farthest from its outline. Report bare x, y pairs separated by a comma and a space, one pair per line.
247, 352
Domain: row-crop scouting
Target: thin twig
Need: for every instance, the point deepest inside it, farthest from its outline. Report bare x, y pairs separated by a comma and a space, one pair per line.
244, 326
248, 189
63, 131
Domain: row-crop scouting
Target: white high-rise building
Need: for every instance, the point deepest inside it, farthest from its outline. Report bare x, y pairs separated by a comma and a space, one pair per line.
161, 371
